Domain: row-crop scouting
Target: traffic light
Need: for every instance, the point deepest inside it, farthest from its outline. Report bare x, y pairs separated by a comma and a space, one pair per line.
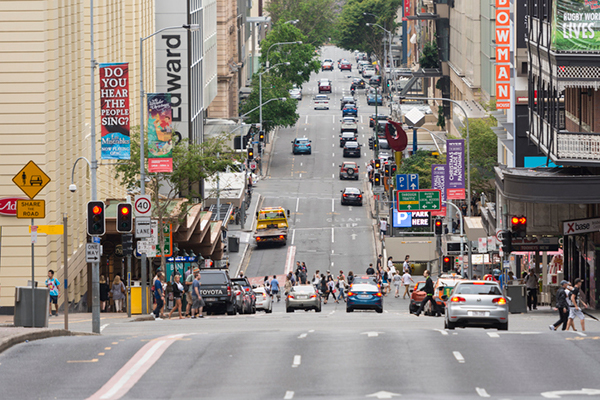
377, 179
96, 225
371, 143
438, 227
448, 263
124, 218
127, 243
377, 163
259, 148
250, 153
375, 144
261, 136
386, 170
393, 169
519, 226
506, 242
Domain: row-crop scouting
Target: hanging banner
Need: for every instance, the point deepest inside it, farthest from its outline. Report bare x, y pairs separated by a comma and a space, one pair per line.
406, 10
114, 111
160, 133
575, 25
438, 181
455, 169
503, 44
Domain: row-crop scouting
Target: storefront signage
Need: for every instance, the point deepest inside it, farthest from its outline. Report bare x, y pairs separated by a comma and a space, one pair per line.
114, 111
535, 244
581, 226
576, 25
8, 206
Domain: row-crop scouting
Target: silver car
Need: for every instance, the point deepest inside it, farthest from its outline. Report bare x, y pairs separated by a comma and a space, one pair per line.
263, 300
303, 297
476, 303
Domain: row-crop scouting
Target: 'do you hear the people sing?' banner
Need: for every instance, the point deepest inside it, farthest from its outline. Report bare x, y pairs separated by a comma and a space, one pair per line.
576, 25
160, 133
114, 111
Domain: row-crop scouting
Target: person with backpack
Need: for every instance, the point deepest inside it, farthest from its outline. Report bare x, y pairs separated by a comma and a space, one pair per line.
562, 307
53, 286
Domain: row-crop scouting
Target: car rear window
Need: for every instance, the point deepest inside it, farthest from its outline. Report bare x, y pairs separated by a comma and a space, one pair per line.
302, 141
478, 288
303, 289
352, 191
212, 278
351, 145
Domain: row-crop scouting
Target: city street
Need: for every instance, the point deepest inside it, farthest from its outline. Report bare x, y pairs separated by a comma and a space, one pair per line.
308, 355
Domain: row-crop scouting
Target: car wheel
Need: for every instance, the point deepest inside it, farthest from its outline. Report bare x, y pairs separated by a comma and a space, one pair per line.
289, 310
450, 325
348, 309
379, 310
318, 309
310, 152
230, 309
503, 327
356, 178
412, 309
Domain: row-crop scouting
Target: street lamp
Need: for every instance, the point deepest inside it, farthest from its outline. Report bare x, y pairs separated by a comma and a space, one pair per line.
266, 102
468, 160
260, 74
278, 44
391, 39
189, 27
433, 136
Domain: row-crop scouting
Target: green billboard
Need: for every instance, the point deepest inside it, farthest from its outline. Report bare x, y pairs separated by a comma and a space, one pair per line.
576, 25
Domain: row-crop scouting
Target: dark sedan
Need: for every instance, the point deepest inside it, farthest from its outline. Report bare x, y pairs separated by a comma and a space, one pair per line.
351, 196
351, 149
358, 83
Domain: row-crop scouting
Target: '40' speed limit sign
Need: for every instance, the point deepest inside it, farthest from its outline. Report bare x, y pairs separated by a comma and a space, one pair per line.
142, 206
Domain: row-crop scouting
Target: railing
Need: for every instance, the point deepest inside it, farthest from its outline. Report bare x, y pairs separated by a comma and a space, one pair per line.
578, 145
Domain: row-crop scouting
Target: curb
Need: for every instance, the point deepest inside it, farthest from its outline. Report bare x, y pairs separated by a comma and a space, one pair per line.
142, 318
13, 340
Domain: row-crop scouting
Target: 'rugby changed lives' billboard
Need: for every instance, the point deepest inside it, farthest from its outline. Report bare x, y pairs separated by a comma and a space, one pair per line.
576, 25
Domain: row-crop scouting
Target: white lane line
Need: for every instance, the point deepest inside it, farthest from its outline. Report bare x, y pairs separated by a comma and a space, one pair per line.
458, 357
297, 361
297, 203
333, 175
331, 313
300, 164
349, 208
332, 144
332, 264
103, 326
332, 236
443, 332
293, 235
289, 395
333, 164
300, 176
306, 120
333, 119
311, 331
493, 334
332, 205
302, 336
482, 392
333, 154
363, 135
361, 119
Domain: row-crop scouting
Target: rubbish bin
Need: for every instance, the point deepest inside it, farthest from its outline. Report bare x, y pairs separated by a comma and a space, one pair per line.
233, 244
136, 298
23, 308
518, 298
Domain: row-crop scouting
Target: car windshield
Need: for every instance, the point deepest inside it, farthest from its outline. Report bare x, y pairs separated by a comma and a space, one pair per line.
348, 135
349, 106
478, 288
212, 278
351, 145
420, 286
321, 97
352, 191
383, 144
303, 289
349, 120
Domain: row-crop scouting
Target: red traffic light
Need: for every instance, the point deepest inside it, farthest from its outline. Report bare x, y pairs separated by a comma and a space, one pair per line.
438, 222
515, 220
522, 221
96, 210
124, 210
446, 259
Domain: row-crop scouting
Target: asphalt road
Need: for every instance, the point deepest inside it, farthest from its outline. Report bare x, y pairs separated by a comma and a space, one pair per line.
308, 355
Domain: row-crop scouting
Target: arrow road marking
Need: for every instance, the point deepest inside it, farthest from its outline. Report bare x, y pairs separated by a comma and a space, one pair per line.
559, 393
482, 392
383, 395
302, 335
458, 357
288, 395
443, 332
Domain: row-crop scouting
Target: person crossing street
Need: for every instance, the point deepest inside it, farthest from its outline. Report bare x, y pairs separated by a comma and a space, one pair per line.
428, 289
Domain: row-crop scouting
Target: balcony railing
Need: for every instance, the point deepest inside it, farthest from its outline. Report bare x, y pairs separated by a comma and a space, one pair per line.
578, 146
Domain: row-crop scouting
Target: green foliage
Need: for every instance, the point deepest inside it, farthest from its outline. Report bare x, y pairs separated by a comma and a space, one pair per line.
302, 57
420, 163
276, 113
430, 57
316, 17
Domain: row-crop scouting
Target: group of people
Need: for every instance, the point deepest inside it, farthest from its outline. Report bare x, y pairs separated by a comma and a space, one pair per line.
115, 292
189, 288
569, 305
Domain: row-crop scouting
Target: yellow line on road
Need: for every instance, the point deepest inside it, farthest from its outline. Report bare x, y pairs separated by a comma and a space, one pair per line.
100, 354
83, 361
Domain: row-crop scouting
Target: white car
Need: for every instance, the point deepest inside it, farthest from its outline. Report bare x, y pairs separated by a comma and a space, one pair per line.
368, 72
263, 300
321, 102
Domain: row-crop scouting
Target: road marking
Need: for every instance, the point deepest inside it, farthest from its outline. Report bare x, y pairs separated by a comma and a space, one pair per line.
332, 236
302, 336
304, 128
331, 313
333, 164
103, 326
332, 205
101, 354
482, 392
293, 235
333, 119
306, 120
115, 343
332, 264
559, 393
371, 334
580, 333
288, 395
333, 154
349, 208
300, 164
383, 395
289, 259
107, 348
312, 330
333, 175
493, 334
361, 119
297, 361
297, 203
443, 332
82, 361
300, 176
458, 357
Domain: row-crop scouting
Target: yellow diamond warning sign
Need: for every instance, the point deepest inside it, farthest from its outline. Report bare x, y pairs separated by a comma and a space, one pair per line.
31, 209
31, 179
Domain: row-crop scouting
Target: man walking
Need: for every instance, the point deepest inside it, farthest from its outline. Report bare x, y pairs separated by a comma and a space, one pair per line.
383, 227
575, 310
406, 280
562, 306
370, 270
188, 288
197, 301
53, 285
428, 289
379, 262
531, 283
275, 288
406, 265
159, 296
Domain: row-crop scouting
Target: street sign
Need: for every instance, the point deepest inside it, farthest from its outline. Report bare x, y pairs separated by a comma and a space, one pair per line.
418, 200
92, 252
252, 165
146, 247
31, 209
407, 181
143, 227
31, 179
50, 229
142, 206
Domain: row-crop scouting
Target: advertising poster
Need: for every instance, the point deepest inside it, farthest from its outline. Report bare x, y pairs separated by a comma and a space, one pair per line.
576, 25
438, 181
160, 133
114, 111
455, 169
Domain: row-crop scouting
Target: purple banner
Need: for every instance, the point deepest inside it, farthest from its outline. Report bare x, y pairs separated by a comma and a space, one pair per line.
438, 178
455, 169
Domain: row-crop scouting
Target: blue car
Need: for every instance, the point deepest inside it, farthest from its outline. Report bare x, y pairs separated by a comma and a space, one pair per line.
349, 109
364, 296
301, 145
372, 99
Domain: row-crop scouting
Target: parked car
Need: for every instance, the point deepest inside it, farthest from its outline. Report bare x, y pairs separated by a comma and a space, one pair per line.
263, 300
303, 297
347, 137
245, 284
349, 170
349, 124
351, 149
346, 100
362, 64
296, 94
368, 72
301, 145
349, 109
364, 296
321, 101
243, 303
351, 196
477, 303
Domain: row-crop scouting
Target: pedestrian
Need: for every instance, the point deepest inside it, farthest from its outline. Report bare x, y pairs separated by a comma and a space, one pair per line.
329, 277
397, 281
341, 286
532, 284
104, 293
406, 280
562, 307
188, 272
350, 278
379, 263
188, 291
406, 265
324, 288
197, 301
118, 293
178, 291
302, 276
370, 270
53, 286
275, 288
316, 280
390, 264
577, 302
159, 296
331, 290
385, 284
266, 281
428, 289
383, 227
298, 269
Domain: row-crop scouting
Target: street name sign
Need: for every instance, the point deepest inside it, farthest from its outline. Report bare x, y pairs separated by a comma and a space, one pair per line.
418, 200
142, 206
31, 179
92, 252
407, 181
31, 209
143, 227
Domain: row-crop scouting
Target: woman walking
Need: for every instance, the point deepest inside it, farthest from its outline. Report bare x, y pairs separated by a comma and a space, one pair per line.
331, 290
118, 293
341, 285
324, 288
177, 293
104, 293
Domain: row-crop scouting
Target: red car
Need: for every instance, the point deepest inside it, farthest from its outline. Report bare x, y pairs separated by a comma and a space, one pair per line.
345, 65
325, 87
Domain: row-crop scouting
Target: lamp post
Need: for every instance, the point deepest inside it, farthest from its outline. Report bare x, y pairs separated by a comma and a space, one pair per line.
391, 38
190, 27
278, 44
432, 133
468, 160
260, 74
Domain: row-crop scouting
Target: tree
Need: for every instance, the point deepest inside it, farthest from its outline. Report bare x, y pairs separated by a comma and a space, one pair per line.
316, 18
484, 154
430, 57
420, 163
302, 57
192, 163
